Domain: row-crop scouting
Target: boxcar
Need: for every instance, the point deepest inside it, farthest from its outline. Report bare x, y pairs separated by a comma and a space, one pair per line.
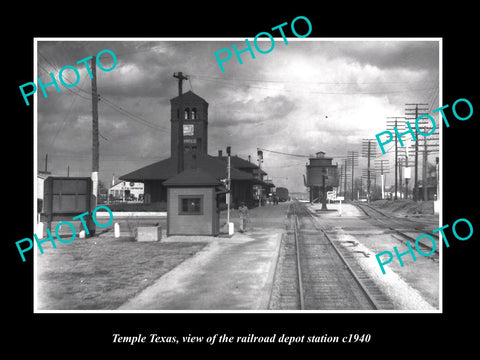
282, 193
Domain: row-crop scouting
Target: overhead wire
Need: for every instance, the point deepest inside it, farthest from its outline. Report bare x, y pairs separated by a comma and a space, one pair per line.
132, 116
107, 101
237, 83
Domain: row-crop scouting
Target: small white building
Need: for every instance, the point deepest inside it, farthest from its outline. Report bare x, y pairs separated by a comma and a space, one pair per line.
126, 191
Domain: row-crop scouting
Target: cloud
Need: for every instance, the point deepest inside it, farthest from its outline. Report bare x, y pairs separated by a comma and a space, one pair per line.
387, 54
301, 98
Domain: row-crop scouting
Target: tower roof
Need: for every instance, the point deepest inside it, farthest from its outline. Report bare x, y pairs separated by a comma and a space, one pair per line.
188, 98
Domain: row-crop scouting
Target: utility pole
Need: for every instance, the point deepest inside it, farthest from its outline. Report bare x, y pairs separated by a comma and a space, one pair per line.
430, 145
437, 177
180, 78
46, 162
405, 175
424, 174
340, 180
228, 196
260, 161
180, 147
415, 110
400, 175
95, 141
368, 151
390, 126
366, 174
383, 170
353, 157
345, 178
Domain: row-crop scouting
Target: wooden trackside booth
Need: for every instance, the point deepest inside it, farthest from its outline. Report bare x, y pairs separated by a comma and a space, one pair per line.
193, 203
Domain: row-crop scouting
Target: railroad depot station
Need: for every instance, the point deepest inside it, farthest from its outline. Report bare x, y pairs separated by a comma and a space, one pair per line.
247, 178
197, 266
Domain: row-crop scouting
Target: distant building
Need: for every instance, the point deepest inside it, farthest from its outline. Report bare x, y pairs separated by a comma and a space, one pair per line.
126, 191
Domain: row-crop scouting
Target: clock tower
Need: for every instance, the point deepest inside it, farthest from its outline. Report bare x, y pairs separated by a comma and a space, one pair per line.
192, 110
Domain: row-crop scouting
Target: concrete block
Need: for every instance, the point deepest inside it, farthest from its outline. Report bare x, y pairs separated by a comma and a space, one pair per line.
230, 228
117, 230
40, 230
148, 233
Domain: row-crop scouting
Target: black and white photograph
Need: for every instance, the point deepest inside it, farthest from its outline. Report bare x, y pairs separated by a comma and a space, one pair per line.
258, 182
279, 197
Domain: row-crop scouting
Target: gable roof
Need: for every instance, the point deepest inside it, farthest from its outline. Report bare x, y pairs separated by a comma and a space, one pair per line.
189, 98
238, 162
166, 169
192, 177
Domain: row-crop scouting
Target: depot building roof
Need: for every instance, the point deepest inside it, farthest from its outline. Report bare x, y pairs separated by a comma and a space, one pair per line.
166, 169
192, 177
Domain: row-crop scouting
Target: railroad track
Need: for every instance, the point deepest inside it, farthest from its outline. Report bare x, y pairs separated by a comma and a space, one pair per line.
315, 274
393, 223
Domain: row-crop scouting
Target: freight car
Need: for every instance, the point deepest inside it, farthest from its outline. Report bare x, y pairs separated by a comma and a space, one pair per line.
282, 194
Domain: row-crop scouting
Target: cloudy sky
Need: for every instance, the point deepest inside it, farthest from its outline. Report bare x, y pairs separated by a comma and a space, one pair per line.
308, 96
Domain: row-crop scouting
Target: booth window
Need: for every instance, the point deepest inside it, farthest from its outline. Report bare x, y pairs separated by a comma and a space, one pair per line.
191, 205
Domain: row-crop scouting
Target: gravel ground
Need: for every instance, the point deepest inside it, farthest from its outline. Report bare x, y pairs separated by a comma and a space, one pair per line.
415, 286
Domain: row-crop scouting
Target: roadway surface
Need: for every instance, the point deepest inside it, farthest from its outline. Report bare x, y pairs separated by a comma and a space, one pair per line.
233, 273
237, 273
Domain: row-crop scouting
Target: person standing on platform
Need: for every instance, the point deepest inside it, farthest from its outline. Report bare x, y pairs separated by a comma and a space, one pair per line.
243, 211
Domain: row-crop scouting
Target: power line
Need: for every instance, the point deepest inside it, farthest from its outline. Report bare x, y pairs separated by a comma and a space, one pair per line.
206, 77
131, 116
284, 153
236, 83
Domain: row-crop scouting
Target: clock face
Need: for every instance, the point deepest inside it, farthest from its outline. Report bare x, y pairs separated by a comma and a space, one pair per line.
188, 130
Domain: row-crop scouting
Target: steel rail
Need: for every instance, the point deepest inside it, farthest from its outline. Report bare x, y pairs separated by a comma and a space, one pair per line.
297, 250
347, 265
408, 237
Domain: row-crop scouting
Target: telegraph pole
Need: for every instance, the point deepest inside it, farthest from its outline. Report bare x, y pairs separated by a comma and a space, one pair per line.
404, 175
424, 174
228, 195
353, 157
419, 109
400, 175
428, 147
260, 161
368, 152
382, 172
390, 125
180, 146
95, 141
340, 180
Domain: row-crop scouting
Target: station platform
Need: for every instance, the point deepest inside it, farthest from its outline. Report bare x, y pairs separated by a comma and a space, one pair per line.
230, 273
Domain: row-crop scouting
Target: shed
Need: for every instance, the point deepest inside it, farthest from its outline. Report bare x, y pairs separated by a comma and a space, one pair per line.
192, 203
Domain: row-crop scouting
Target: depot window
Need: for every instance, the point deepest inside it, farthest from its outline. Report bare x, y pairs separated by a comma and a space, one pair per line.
191, 205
